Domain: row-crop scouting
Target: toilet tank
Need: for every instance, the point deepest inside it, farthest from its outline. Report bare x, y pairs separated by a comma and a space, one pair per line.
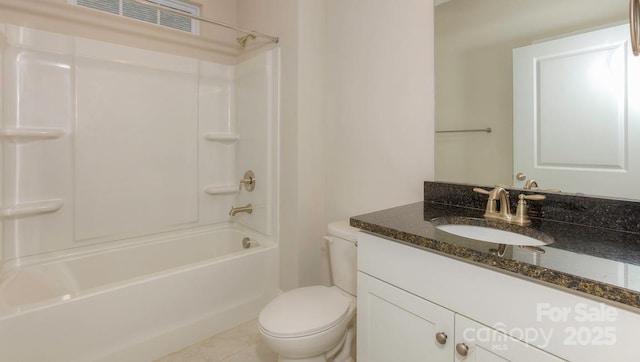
343, 255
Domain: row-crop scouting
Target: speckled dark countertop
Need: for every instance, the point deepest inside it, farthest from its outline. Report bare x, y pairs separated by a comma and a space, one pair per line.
593, 261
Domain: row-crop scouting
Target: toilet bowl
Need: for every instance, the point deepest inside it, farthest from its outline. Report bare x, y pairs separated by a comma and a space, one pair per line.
288, 327
317, 323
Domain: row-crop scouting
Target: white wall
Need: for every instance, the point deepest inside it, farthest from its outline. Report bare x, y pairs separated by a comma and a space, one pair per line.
356, 115
379, 123
311, 143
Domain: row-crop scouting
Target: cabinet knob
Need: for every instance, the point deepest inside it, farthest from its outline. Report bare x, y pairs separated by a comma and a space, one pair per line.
441, 337
462, 349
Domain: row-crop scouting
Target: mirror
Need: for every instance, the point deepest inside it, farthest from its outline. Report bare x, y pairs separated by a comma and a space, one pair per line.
474, 78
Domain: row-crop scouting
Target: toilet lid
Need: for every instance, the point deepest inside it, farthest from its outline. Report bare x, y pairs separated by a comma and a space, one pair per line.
304, 311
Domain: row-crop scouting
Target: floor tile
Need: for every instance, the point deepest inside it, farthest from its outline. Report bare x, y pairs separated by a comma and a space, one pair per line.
240, 344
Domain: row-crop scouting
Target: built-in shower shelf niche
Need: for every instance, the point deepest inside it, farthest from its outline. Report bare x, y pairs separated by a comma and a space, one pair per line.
30, 134
222, 137
32, 208
222, 190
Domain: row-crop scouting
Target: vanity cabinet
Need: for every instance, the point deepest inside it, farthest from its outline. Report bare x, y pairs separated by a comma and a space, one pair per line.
395, 325
407, 296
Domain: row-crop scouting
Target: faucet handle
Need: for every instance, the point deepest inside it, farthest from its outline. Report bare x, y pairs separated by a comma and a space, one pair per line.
248, 181
531, 197
522, 212
481, 191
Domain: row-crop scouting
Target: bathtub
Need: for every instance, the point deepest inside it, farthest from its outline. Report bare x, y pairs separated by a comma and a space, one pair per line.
136, 301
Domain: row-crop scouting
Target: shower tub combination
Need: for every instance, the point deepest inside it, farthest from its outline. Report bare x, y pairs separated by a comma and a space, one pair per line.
119, 168
137, 301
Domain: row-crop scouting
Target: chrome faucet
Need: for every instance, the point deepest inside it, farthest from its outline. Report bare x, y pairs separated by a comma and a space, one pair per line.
504, 214
236, 210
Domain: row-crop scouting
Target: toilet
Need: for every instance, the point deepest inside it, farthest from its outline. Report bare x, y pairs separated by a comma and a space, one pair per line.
317, 323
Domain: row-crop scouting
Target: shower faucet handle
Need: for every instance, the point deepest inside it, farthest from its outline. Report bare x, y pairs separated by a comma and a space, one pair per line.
249, 181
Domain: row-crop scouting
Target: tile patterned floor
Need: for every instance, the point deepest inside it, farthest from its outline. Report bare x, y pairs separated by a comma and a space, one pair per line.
240, 344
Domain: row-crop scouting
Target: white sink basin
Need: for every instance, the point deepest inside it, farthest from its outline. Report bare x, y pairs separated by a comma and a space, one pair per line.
490, 234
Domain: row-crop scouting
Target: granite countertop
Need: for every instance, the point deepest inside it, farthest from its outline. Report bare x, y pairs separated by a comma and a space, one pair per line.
595, 262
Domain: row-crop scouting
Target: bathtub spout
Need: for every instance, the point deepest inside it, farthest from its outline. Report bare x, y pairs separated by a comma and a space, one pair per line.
236, 210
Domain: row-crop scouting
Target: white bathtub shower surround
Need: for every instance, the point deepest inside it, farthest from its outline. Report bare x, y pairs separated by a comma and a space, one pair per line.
119, 167
136, 302
126, 142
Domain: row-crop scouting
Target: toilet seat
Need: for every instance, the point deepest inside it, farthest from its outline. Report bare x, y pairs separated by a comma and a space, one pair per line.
303, 312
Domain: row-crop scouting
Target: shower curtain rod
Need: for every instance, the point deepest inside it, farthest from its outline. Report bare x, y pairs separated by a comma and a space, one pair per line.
254, 33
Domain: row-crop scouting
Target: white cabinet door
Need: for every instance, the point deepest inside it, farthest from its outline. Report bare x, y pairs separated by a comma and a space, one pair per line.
394, 325
575, 127
485, 344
